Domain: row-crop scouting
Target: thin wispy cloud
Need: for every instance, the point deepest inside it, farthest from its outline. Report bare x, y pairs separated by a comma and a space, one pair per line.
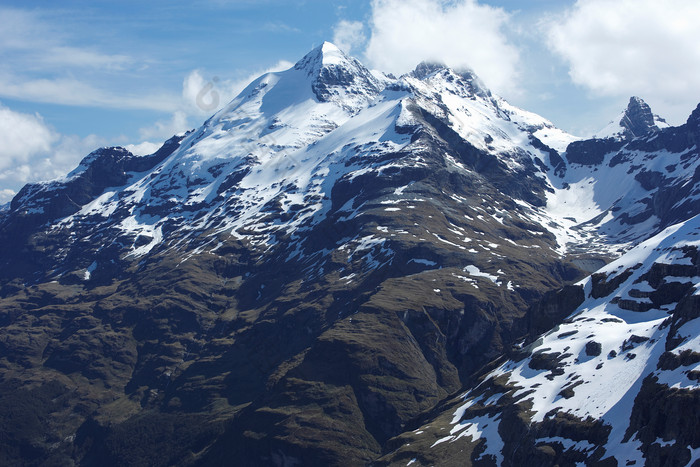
71, 91
41, 65
349, 35
29, 39
279, 27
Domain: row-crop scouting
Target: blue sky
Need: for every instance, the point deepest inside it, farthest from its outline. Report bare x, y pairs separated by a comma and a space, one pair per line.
76, 75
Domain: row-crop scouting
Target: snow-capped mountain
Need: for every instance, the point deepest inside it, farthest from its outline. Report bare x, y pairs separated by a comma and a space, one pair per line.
326, 258
292, 134
286, 139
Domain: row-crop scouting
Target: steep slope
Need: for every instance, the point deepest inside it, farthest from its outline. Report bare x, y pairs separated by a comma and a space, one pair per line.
327, 257
615, 384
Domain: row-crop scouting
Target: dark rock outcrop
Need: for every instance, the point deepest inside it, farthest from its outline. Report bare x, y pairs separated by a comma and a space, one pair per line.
638, 120
592, 151
552, 308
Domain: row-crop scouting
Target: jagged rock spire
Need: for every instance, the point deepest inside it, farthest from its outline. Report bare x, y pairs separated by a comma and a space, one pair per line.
635, 121
638, 120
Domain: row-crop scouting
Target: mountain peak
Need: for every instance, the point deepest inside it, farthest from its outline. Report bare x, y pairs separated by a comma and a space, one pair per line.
638, 118
694, 118
326, 54
475, 86
635, 121
339, 78
330, 51
427, 68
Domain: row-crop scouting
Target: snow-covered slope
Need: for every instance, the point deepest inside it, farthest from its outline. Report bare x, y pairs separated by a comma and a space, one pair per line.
618, 379
607, 195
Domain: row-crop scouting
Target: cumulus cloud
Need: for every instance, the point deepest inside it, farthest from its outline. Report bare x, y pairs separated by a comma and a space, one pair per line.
461, 33
143, 149
349, 35
648, 48
30, 150
22, 136
200, 95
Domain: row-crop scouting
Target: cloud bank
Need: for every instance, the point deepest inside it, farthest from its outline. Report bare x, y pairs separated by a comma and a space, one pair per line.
462, 33
649, 48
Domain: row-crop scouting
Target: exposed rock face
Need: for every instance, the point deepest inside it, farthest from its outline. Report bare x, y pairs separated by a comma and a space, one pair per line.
40, 205
638, 119
553, 308
593, 348
665, 420
591, 152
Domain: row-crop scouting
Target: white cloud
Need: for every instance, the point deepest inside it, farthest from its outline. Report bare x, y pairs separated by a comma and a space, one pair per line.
649, 48
349, 35
163, 129
22, 136
201, 97
143, 149
30, 150
6, 195
70, 91
461, 33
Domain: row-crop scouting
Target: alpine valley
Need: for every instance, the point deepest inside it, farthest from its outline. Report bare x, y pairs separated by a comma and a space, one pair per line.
341, 267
